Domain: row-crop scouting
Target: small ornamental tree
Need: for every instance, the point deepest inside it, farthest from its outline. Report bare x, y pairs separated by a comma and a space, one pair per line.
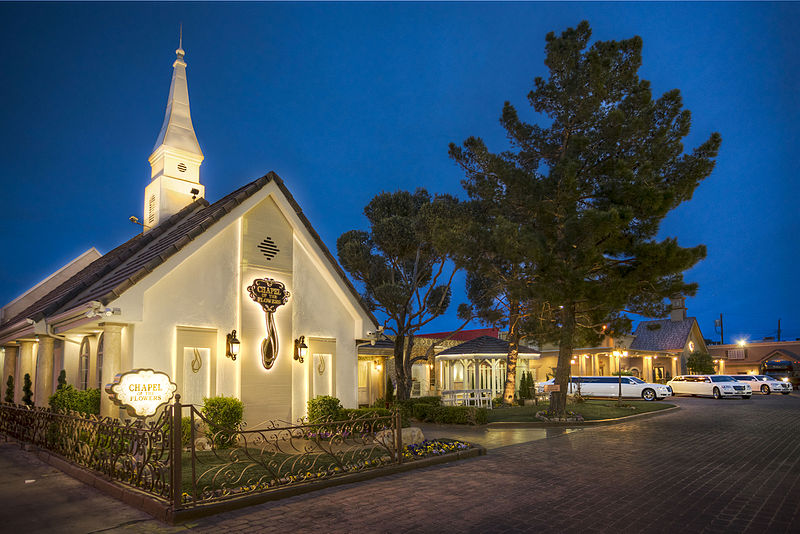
27, 391
406, 277
700, 363
10, 390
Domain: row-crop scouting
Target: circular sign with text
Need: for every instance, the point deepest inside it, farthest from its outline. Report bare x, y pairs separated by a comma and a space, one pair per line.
141, 391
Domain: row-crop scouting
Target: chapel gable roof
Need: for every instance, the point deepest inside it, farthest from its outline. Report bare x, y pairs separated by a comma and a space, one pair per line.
109, 276
662, 334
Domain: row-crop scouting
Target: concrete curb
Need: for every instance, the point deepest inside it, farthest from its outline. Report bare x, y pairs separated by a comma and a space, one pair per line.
572, 424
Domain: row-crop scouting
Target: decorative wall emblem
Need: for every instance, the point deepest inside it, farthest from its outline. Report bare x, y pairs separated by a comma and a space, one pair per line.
197, 363
320, 364
141, 391
270, 294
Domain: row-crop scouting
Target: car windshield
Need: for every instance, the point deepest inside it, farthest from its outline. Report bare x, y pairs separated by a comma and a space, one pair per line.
722, 378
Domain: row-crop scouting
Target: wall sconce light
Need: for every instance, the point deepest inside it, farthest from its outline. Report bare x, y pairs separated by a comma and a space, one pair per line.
231, 345
377, 365
300, 348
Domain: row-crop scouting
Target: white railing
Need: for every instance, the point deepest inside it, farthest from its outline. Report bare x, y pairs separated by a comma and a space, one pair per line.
467, 397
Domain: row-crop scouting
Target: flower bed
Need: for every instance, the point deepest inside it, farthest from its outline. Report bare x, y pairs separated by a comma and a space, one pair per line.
433, 447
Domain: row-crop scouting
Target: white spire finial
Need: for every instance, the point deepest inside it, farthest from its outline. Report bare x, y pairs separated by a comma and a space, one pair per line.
179, 52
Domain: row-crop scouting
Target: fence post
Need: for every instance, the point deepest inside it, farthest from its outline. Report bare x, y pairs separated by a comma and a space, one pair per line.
398, 436
177, 460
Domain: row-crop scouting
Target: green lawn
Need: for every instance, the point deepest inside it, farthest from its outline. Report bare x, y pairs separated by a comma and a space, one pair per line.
590, 410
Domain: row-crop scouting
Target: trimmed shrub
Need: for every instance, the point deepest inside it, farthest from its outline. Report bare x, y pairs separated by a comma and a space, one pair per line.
454, 415
27, 391
68, 399
325, 408
224, 416
10, 390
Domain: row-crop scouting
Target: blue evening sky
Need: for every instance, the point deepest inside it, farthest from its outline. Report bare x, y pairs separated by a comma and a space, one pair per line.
347, 100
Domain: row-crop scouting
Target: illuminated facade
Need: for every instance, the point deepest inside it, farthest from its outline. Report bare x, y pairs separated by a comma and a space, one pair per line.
173, 297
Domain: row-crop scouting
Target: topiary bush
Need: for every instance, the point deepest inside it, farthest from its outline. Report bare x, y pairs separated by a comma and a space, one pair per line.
325, 408
62, 379
27, 391
9, 398
224, 415
68, 399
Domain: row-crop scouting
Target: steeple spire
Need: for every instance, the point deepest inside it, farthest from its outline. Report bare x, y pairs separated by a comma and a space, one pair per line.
176, 157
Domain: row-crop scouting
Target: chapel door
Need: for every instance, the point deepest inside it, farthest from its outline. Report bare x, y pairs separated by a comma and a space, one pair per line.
364, 381
322, 371
196, 364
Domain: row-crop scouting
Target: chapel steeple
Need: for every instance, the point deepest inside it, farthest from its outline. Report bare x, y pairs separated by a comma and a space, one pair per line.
176, 157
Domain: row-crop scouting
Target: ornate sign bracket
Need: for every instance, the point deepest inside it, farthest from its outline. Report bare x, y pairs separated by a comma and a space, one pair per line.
270, 294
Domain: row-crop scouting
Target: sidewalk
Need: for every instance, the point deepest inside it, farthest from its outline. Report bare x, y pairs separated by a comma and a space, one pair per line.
39, 498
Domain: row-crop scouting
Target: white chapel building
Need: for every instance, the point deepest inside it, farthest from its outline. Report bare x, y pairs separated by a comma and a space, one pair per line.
172, 297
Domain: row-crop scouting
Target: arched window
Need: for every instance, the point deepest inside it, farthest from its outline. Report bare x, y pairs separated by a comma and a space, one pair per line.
100, 362
83, 364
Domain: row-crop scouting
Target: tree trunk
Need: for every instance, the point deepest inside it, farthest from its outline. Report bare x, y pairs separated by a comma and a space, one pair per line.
513, 353
399, 367
558, 399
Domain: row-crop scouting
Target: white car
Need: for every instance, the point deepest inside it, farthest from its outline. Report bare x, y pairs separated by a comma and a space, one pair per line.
765, 384
717, 386
609, 386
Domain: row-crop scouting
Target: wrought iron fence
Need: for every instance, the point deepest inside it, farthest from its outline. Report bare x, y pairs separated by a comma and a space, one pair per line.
208, 462
224, 463
135, 453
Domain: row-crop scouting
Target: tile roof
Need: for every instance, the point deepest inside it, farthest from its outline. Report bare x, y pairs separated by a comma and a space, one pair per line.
483, 345
463, 335
662, 334
109, 276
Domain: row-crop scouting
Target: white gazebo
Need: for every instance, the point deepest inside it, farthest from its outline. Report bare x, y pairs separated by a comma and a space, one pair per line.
474, 372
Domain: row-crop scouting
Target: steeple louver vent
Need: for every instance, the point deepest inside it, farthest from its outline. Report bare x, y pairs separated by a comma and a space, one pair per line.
151, 212
268, 248
181, 167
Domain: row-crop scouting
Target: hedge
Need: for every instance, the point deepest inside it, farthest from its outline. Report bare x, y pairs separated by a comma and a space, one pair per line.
70, 399
455, 415
351, 413
224, 415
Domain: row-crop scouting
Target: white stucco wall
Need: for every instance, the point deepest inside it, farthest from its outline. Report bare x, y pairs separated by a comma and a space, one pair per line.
201, 291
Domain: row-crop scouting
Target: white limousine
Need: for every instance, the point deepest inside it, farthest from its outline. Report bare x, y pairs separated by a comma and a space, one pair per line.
717, 386
765, 384
609, 386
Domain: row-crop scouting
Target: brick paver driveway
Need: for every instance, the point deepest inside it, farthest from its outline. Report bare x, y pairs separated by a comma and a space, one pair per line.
713, 466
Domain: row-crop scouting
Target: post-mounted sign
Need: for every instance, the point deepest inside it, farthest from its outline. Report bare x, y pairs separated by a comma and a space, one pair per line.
141, 391
270, 294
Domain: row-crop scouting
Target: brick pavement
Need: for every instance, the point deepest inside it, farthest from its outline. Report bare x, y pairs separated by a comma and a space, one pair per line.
713, 466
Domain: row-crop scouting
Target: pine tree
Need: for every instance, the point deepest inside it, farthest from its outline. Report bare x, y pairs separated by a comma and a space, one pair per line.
27, 391
9, 398
594, 182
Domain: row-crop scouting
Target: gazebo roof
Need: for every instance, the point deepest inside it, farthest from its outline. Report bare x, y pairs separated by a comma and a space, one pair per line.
483, 347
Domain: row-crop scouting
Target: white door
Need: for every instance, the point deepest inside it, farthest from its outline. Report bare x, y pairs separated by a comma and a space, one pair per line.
322, 367
364, 367
196, 365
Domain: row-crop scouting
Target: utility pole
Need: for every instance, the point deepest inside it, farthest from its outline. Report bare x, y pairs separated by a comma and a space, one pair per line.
779, 329
722, 331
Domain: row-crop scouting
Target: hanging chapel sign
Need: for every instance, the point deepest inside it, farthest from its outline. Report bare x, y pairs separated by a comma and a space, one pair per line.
270, 294
141, 391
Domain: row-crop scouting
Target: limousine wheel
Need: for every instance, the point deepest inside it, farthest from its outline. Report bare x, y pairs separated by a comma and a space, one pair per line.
648, 394
717, 394
765, 389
